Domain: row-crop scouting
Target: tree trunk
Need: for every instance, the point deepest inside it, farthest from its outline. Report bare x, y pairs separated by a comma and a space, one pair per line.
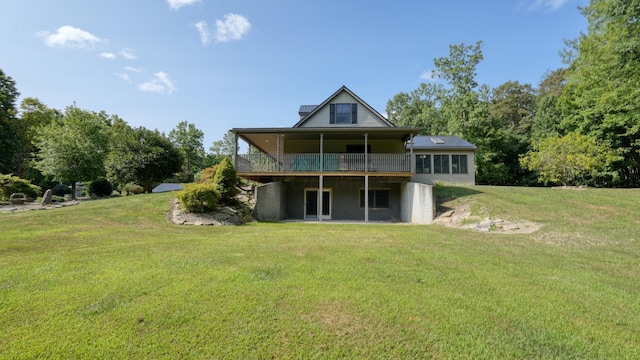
73, 190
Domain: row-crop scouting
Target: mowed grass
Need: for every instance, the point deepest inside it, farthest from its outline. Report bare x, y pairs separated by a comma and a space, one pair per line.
113, 279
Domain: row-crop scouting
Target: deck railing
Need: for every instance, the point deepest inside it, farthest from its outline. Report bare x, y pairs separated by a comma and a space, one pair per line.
330, 163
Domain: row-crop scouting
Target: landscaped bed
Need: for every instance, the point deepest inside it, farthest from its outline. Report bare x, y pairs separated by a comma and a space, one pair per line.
114, 279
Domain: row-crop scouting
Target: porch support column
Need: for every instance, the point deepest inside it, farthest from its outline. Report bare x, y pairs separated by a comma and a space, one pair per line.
278, 166
366, 179
235, 151
413, 162
321, 179
366, 198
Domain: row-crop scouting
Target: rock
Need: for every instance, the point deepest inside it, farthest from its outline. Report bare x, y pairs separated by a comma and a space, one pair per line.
47, 197
448, 214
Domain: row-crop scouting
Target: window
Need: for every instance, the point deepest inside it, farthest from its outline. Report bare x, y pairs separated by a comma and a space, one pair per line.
459, 164
343, 113
423, 164
440, 164
378, 199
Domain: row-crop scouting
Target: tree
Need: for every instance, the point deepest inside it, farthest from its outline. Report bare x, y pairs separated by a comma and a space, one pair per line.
74, 148
227, 181
568, 160
8, 138
141, 156
226, 146
188, 139
33, 115
601, 98
548, 115
420, 108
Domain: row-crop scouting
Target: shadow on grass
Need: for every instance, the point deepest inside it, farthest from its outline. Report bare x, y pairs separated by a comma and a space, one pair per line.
445, 194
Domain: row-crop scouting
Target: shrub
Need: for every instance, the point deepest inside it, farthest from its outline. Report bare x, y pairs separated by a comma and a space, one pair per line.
133, 189
207, 175
10, 184
61, 190
101, 188
227, 181
199, 198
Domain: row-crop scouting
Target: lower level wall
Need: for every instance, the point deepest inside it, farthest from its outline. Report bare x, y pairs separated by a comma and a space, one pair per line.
418, 203
270, 202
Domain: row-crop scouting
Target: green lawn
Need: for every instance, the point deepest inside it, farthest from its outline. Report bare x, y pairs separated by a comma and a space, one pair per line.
113, 279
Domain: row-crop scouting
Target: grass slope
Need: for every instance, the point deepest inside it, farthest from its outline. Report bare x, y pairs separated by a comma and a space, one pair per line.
113, 279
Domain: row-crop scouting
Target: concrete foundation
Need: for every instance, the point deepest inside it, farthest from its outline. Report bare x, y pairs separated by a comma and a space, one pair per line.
271, 202
418, 203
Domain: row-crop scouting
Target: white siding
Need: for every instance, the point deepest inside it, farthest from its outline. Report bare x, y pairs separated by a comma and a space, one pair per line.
366, 118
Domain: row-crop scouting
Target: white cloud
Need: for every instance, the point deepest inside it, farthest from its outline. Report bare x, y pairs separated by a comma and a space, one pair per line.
428, 75
69, 37
124, 76
205, 33
550, 5
177, 4
160, 84
127, 54
108, 55
234, 27
132, 69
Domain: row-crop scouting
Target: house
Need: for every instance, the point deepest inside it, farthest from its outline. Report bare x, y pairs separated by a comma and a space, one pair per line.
343, 160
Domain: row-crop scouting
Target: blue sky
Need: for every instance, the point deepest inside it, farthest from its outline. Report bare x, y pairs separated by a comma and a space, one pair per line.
223, 64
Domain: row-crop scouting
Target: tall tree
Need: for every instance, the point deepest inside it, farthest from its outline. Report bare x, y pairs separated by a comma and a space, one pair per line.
601, 98
188, 139
8, 137
74, 148
548, 115
141, 156
420, 108
224, 147
33, 115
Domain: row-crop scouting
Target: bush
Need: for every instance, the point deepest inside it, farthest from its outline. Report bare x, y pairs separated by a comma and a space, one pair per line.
207, 175
132, 189
61, 190
10, 184
227, 181
198, 198
101, 188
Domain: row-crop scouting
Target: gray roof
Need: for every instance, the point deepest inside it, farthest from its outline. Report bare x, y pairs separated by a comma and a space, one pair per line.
433, 142
306, 109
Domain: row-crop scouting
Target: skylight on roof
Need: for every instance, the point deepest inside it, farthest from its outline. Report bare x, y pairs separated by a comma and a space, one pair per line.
437, 140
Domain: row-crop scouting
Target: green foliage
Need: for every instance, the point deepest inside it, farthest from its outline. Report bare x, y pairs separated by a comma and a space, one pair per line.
132, 189
10, 184
101, 188
188, 139
74, 148
227, 181
140, 155
33, 115
61, 190
601, 98
224, 147
568, 160
199, 198
8, 138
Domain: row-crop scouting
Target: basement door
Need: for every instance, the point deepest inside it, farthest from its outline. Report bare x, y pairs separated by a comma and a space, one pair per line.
311, 204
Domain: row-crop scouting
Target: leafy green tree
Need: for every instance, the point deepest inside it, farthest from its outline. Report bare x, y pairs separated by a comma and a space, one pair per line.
226, 146
8, 138
420, 108
569, 160
141, 156
548, 115
74, 148
601, 98
188, 139
33, 115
